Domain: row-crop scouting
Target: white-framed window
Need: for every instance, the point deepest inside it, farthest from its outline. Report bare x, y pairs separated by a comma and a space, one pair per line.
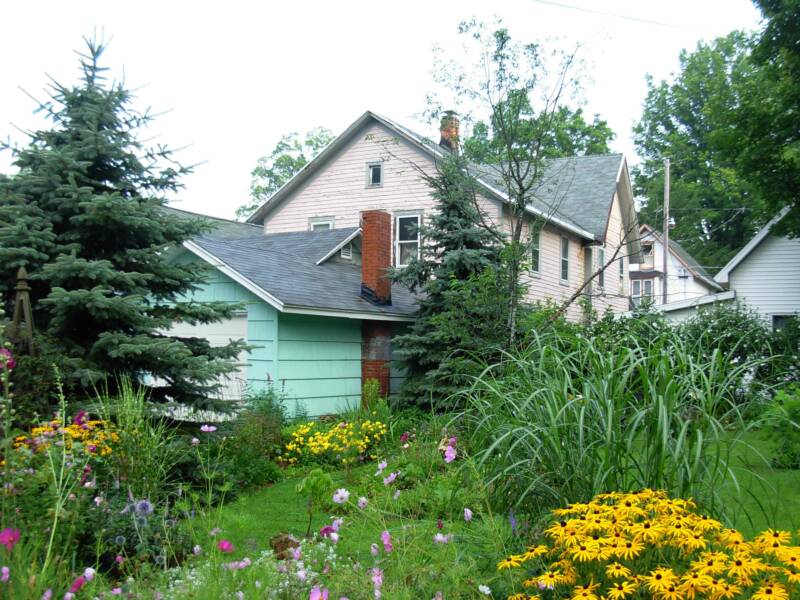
536, 237
564, 259
320, 223
407, 239
374, 174
601, 263
647, 248
621, 261
641, 289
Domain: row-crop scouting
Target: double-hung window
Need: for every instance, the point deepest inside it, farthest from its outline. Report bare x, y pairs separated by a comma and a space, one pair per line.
601, 264
641, 289
564, 259
374, 174
536, 236
407, 239
621, 274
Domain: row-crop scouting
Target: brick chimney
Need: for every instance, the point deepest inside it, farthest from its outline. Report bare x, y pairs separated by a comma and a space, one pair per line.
376, 256
448, 129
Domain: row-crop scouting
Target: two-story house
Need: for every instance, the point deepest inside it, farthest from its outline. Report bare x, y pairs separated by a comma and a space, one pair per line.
310, 263
686, 278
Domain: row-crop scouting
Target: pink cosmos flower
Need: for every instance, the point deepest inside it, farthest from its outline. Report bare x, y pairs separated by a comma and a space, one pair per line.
389, 479
318, 594
48, 594
9, 538
467, 515
208, 428
440, 538
116, 591
88, 574
449, 454
326, 531
335, 537
80, 418
296, 553
374, 550
362, 503
77, 584
405, 436
377, 577
195, 441
386, 538
381, 466
225, 546
5, 573
341, 496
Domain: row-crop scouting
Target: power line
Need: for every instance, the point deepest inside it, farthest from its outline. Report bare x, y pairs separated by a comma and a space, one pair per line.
618, 16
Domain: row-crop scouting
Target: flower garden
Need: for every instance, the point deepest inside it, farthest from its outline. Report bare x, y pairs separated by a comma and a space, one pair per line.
597, 472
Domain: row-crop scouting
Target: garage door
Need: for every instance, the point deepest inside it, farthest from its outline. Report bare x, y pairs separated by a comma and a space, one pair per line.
221, 334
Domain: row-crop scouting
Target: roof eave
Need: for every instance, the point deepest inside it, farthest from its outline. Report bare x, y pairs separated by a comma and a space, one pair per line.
724, 275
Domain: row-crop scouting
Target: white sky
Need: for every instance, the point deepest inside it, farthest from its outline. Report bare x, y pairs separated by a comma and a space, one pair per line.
235, 76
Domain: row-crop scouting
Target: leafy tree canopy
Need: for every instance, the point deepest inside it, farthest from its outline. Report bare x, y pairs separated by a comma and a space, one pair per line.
714, 206
85, 214
287, 158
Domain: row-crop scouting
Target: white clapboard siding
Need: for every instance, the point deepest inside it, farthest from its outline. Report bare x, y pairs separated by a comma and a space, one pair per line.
768, 279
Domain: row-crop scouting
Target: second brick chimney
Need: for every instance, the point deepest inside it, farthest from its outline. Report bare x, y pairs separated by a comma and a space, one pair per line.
376, 256
448, 129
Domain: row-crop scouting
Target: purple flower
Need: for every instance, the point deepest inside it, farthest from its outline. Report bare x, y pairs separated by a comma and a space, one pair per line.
7, 359
389, 479
405, 436
80, 418
318, 594
452, 442
341, 496
5, 573
337, 523
467, 515
362, 503
197, 550
143, 507
377, 577
208, 428
381, 466
512, 520
327, 531
9, 538
449, 454
440, 538
48, 594
334, 537
386, 538
296, 553
116, 591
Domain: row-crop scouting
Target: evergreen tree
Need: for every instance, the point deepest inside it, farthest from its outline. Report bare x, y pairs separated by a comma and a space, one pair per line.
454, 272
85, 215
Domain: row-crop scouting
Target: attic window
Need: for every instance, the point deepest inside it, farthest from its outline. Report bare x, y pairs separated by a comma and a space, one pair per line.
374, 174
320, 223
647, 249
347, 251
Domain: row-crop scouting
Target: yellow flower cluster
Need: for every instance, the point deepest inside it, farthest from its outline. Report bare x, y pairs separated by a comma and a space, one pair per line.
647, 545
95, 437
343, 442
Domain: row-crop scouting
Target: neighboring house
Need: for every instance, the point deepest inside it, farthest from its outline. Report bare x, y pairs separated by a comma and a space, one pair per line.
686, 278
765, 275
311, 262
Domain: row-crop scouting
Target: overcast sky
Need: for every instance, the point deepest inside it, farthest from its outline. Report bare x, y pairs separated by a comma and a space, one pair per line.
235, 76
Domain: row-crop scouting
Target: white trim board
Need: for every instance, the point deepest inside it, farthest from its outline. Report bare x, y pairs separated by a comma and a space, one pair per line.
724, 275
699, 301
340, 245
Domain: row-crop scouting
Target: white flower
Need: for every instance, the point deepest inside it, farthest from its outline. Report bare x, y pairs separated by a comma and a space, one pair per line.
484, 589
341, 496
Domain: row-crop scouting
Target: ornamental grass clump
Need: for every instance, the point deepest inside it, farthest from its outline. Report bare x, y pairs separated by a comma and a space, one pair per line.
648, 545
345, 443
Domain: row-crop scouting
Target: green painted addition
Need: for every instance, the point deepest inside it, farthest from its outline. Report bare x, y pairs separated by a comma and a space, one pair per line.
319, 362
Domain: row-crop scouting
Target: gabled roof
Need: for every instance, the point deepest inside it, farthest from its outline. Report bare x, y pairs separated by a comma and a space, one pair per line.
686, 259
724, 275
290, 272
575, 193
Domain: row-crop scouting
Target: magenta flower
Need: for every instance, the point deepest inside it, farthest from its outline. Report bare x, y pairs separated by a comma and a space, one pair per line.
318, 594
7, 359
225, 546
386, 538
5, 574
439, 524
449, 454
9, 538
405, 436
208, 428
327, 531
77, 584
80, 418
389, 479
467, 515
341, 496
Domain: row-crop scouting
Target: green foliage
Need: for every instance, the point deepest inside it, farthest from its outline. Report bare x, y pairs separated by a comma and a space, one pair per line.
783, 425
562, 421
316, 486
690, 120
286, 159
85, 214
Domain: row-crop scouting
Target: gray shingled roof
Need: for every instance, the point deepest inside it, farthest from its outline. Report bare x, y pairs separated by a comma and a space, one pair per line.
695, 267
284, 265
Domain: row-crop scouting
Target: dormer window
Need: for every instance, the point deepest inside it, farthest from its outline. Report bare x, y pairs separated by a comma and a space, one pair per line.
374, 174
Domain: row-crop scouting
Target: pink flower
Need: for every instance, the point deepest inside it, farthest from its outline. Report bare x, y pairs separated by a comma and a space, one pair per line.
334, 537
88, 574
197, 550
80, 417
208, 428
318, 594
374, 550
362, 503
9, 538
5, 573
386, 538
377, 577
326, 531
337, 523
467, 515
405, 436
449, 454
341, 496
452, 442
48, 594
439, 524
69, 596
7, 359
195, 441
381, 466
119, 559
77, 584
440, 538
296, 553
116, 591
225, 546
389, 479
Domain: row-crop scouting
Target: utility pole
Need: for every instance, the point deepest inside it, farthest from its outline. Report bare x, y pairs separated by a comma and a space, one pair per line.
666, 230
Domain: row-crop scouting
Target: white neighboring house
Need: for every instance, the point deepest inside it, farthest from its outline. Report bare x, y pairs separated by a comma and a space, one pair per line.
686, 278
765, 275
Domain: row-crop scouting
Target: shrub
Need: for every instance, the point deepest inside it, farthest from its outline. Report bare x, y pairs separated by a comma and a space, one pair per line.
345, 442
783, 425
645, 544
551, 424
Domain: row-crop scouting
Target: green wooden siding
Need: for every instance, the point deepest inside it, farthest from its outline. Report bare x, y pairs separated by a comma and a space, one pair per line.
320, 362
